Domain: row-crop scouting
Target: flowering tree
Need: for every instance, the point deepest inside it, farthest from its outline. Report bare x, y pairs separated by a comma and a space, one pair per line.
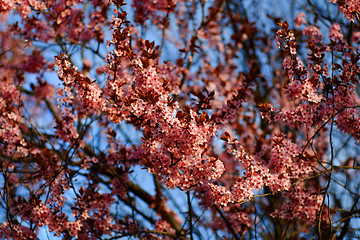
244, 124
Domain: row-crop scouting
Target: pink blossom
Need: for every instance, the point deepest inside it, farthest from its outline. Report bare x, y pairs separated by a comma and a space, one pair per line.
287, 62
7, 5
313, 33
300, 19
45, 90
304, 206
335, 32
349, 7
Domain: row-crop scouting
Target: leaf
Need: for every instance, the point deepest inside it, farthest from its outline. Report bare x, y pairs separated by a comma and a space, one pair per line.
225, 137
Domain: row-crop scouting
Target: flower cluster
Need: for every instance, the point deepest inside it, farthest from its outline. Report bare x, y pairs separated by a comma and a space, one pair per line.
350, 8
11, 140
302, 205
89, 94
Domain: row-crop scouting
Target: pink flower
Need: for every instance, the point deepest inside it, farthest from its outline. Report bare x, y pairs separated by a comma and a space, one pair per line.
7, 5
45, 90
287, 62
313, 33
335, 32
348, 7
303, 205
34, 63
300, 19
